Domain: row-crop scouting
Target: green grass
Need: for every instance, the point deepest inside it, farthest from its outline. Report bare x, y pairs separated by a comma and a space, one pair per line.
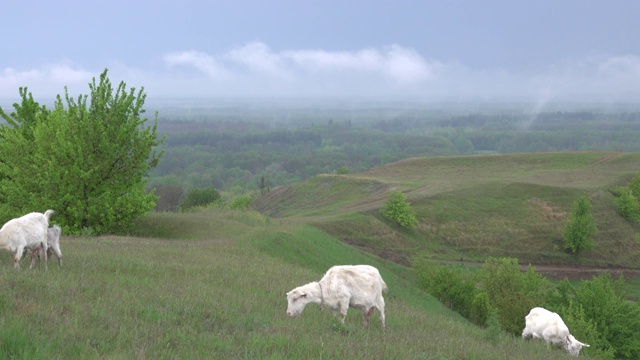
474, 207
211, 285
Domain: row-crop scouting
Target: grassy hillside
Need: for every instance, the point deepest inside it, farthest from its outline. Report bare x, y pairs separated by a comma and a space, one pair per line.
472, 207
211, 286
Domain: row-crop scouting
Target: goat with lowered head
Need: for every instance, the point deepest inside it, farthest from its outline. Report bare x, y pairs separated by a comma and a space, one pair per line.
26, 232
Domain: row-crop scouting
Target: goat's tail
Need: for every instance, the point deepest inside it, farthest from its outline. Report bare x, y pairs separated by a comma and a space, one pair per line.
48, 213
384, 285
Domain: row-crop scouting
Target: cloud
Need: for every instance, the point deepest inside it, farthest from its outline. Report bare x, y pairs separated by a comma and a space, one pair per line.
49, 80
199, 60
394, 64
256, 70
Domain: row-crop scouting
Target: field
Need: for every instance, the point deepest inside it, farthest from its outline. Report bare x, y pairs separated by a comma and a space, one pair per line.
211, 284
471, 207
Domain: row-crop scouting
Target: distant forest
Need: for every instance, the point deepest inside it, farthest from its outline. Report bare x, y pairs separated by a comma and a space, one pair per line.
237, 148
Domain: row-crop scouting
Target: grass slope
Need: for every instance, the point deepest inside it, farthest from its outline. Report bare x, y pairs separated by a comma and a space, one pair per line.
211, 285
472, 207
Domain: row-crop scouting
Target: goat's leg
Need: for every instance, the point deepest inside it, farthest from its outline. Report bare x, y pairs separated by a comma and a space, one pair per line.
17, 256
44, 247
367, 316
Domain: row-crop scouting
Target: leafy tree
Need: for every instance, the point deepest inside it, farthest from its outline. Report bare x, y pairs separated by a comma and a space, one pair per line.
200, 197
627, 199
580, 229
397, 208
634, 185
628, 204
87, 158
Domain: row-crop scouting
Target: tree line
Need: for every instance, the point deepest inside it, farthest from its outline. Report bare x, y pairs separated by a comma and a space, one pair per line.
235, 155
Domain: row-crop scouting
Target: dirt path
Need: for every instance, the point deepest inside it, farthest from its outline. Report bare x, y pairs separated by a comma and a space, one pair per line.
561, 271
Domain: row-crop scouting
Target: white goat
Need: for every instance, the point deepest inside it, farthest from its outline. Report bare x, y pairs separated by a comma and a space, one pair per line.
544, 324
26, 232
53, 242
356, 286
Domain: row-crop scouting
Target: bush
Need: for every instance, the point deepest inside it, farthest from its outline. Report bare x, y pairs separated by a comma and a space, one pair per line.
512, 293
455, 288
597, 312
241, 202
200, 197
628, 204
399, 210
481, 309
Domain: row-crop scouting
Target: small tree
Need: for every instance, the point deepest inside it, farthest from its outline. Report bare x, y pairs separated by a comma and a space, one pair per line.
580, 229
628, 204
399, 210
87, 158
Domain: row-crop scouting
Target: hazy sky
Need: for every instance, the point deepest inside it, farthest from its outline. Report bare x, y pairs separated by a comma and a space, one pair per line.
535, 50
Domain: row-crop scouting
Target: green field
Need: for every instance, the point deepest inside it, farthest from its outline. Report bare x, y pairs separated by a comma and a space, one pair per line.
212, 284
473, 207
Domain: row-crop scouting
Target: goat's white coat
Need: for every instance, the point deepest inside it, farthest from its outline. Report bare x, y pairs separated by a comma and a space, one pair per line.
343, 286
26, 232
549, 326
53, 243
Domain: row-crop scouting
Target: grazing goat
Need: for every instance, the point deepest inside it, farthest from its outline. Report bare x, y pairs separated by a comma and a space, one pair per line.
344, 286
26, 232
547, 325
53, 243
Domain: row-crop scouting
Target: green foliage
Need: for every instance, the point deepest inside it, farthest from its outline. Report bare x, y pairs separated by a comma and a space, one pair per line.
628, 204
583, 328
599, 312
455, 288
579, 230
627, 199
634, 185
200, 197
241, 202
87, 159
511, 292
398, 209
482, 311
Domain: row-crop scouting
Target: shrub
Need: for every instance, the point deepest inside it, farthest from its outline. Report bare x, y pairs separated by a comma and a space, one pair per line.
200, 197
399, 210
455, 288
628, 204
481, 309
598, 313
512, 293
241, 202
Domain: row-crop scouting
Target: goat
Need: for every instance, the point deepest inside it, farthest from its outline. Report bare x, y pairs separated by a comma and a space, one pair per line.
26, 232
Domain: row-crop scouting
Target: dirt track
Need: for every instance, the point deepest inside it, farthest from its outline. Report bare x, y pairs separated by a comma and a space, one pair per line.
580, 272
571, 272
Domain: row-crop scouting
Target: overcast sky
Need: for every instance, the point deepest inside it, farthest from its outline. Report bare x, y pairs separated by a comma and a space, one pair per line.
533, 50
